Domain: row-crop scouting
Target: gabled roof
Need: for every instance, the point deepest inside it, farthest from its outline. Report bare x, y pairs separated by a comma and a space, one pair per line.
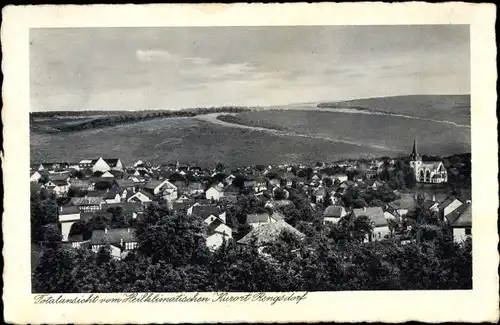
447, 202
320, 191
204, 211
406, 202
152, 184
375, 214
430, 164
217, 188
111, 194
58, 182
90, 200
69, 209
333, 211
461, 217
270, 233
113, 236
125, 183
146, 194
195, 186
257, 217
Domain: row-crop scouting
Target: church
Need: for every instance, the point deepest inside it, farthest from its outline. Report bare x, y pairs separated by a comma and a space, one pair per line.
427, 171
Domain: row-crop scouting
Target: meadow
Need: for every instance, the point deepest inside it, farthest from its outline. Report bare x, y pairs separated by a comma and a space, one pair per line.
189, 140
393, 132
454, 108
291, 134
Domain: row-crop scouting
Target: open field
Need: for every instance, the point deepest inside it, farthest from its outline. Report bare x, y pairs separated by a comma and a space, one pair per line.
453, 108
293, 133
189, 140
393, 132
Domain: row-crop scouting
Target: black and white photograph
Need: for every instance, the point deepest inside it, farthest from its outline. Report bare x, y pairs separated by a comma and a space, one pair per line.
249, 163
250, 159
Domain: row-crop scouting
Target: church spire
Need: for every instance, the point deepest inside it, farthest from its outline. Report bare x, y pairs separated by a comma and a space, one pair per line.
414, 154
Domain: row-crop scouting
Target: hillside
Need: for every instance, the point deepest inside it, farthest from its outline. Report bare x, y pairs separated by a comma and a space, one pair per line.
454, 108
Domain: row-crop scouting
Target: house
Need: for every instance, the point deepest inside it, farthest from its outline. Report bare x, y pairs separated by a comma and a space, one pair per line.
68, 215
274, 182
319, 194
59, 187
270, 233
106, 164
81, 184
258, 219
378, 221
374, 184
218, 231
288, 177
53, 166
204, 210
85, 163
214, 193
195, 188
108, 174
141, 197
446, 207
461, 222
165, 188
112, 196
35, 177
405, 203
260, 184
333, 213
339, 177
87, 203
120, 241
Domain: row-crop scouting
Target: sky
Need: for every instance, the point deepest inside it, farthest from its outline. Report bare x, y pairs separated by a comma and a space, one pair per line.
186, 67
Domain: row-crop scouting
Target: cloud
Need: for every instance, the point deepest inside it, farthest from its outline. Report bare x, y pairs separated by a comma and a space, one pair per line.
155, 56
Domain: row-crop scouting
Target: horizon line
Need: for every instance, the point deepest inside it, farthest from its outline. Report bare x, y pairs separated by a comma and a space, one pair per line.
249, 106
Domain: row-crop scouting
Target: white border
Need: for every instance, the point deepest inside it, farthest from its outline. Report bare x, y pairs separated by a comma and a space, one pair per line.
479, 304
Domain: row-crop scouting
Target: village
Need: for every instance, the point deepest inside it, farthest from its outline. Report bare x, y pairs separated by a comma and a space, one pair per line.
100, 200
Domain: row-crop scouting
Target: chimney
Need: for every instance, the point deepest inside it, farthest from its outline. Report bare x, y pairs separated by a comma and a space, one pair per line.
128, 230
60, 209
105, 230
364, 209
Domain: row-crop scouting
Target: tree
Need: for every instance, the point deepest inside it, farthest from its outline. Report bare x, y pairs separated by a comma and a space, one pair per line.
53, 272
117, 217
177, 239
239, 181
328, 181
51, 235
279, 194
361, 227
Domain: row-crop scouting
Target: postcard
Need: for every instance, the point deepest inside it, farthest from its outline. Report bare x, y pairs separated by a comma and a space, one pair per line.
250, 163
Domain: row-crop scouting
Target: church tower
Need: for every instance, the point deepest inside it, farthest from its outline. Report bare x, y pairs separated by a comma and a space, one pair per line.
415, 159
414, 154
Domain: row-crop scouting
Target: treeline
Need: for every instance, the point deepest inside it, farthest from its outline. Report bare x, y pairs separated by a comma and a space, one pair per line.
124, 117
172, 257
